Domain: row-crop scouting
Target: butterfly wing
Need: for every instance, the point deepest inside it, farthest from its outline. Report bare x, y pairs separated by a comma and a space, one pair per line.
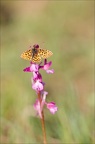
44, 53
36, 58
27, 55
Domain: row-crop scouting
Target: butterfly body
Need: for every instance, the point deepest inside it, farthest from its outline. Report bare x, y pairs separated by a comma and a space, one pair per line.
35, 54
34, 51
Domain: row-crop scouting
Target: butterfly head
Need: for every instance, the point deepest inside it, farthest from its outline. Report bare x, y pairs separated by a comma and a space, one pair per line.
36, 46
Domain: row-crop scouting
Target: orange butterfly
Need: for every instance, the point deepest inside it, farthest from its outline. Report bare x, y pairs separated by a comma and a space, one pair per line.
35, 54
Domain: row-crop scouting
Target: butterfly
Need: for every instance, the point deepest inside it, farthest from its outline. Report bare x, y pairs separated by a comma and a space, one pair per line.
35, 54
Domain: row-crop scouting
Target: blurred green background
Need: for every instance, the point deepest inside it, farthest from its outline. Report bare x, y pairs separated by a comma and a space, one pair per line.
67, 29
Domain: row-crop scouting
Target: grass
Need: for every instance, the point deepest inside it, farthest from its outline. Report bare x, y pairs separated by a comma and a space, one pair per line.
67, 29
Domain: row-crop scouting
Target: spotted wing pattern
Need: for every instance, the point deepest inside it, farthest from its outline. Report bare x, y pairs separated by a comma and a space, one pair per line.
27, 55
36, 58
44, 53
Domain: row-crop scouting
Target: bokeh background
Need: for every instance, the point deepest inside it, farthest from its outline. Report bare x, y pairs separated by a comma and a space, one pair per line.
67, 29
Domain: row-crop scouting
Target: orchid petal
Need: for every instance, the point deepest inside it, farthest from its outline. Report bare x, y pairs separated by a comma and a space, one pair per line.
37, 86
27, 69
52, 107
50, 71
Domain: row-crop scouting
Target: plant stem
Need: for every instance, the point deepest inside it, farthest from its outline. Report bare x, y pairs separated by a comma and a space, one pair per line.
42, 121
